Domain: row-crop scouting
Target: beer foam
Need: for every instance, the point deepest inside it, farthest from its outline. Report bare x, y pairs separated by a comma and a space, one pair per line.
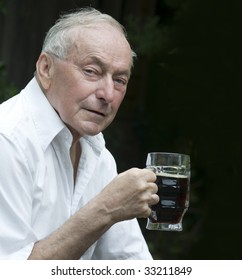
170, 175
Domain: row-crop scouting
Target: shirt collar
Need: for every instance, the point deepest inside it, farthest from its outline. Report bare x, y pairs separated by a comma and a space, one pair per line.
47, 122
96, 142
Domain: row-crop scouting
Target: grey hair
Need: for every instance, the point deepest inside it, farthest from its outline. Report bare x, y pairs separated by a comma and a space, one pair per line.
58, 38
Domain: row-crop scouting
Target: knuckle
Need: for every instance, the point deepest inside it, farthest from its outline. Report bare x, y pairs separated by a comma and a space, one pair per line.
157, 199
155, 188
147, 212
134, 172
153, 177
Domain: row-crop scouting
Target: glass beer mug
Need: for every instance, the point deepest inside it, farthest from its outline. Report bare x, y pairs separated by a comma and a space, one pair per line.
173, 181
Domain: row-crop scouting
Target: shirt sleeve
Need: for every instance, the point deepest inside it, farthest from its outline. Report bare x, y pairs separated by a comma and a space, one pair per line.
16, 235
123, 241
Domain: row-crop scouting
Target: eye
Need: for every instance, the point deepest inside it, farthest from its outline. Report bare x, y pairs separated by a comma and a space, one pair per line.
90, 71
120, 82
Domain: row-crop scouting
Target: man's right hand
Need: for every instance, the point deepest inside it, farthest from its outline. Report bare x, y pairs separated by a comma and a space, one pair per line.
130, 194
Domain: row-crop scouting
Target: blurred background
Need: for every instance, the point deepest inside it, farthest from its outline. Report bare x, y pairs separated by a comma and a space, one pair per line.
184, 96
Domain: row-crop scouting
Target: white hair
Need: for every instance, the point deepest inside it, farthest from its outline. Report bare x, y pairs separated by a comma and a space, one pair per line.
58, 39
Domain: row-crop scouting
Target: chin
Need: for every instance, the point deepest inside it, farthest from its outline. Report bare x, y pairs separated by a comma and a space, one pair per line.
90, 128
91, 131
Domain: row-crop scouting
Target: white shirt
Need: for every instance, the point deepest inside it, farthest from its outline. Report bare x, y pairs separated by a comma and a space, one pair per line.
37, 192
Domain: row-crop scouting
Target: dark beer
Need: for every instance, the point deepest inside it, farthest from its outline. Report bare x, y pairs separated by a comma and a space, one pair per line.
173, 191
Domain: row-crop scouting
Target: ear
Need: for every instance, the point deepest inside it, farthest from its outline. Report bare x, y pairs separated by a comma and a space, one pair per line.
45, 70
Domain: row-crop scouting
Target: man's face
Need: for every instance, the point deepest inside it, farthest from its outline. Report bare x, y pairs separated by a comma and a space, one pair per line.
88, 87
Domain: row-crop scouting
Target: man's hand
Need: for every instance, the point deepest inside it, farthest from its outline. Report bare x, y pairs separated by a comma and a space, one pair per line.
130, 194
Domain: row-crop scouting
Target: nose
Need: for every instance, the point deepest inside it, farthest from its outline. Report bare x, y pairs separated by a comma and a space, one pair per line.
105, 90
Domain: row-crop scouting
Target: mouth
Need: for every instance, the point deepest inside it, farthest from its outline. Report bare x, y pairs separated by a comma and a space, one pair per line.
101, 114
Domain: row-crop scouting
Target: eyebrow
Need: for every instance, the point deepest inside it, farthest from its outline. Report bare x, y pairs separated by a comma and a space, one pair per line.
105, 67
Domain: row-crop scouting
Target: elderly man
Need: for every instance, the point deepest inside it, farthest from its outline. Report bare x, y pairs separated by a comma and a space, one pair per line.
60, 195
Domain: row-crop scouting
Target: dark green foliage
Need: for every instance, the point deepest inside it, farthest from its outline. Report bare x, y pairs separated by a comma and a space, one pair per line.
2, 6
192, 106
7, 90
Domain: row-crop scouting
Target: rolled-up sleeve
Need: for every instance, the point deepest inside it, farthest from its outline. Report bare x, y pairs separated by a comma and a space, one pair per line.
123, 241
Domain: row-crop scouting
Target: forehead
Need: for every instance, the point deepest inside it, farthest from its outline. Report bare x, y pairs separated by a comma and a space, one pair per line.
103, 41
